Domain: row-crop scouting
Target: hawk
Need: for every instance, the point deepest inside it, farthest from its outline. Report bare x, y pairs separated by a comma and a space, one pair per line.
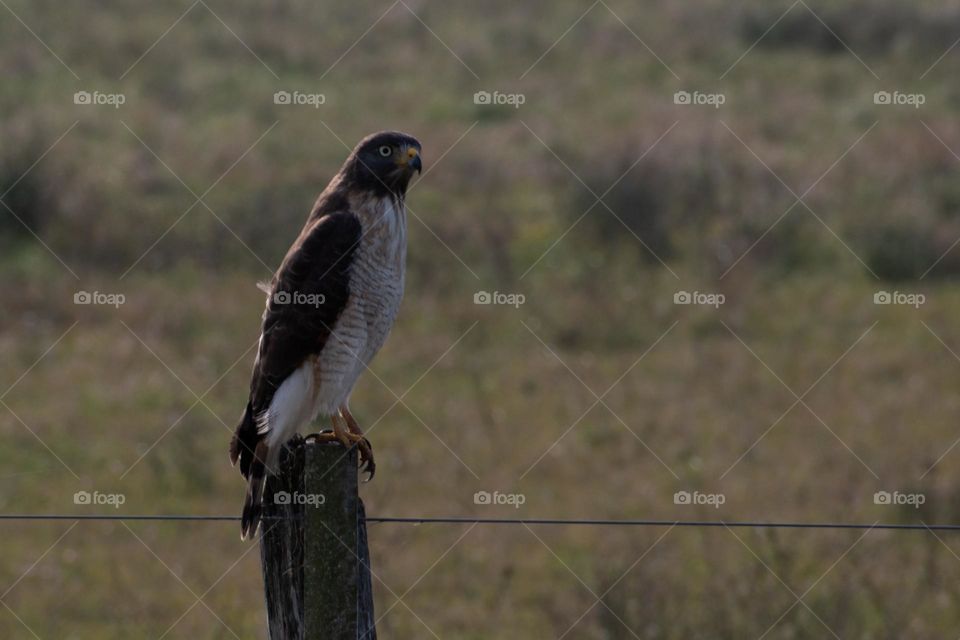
330, 307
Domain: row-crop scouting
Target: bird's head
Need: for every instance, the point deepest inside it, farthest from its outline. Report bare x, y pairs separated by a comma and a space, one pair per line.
384, 162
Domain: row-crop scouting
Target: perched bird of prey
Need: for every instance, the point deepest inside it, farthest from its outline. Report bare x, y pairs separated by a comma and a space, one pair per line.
330, 307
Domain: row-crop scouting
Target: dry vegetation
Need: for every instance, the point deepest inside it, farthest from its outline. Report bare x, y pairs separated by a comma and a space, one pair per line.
880, 414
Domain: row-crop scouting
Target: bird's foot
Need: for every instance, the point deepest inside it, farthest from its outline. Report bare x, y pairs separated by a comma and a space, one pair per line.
355, 433
349, 439
367, 464
321, 436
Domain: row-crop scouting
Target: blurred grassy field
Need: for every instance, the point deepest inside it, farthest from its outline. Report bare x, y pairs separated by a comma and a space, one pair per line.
797, 399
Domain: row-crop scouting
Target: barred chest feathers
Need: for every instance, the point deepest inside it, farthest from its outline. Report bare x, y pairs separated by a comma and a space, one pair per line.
377, 273
376, 290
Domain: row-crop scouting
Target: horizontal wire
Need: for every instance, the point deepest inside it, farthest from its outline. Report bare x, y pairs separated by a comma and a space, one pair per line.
512, 521
111, 516
672, 523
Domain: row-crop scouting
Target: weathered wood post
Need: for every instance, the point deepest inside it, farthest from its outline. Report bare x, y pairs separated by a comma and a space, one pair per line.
313, 548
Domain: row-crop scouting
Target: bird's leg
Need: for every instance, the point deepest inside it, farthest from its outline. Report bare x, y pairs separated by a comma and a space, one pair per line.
339, 432
366, 449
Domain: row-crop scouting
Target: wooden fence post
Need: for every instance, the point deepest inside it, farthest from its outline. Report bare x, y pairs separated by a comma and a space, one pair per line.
313, 547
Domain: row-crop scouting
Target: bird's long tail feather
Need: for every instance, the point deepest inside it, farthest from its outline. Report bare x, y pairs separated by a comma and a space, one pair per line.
244, 442
253, 503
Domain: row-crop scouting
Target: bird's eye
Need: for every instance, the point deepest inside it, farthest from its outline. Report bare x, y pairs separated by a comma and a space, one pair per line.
385, 150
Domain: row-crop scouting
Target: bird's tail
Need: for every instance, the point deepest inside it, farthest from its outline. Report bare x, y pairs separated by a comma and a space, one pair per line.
244, 442
251, 452
253, 503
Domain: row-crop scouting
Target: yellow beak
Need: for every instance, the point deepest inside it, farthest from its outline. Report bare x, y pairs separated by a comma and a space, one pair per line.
410, 158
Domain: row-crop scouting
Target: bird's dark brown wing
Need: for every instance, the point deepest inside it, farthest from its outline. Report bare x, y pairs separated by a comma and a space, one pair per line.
307, 295
309, 292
